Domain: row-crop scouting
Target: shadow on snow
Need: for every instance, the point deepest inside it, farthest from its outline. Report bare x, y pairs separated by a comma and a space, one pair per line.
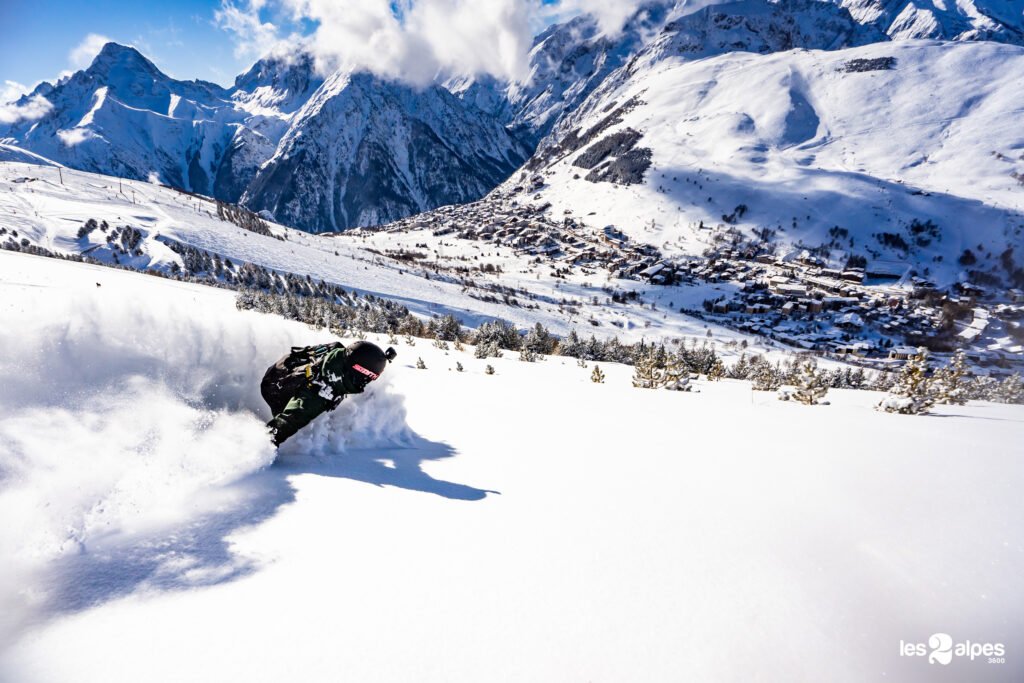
198, 553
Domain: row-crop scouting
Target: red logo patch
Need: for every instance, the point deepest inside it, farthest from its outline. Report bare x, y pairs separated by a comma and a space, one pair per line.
369, 373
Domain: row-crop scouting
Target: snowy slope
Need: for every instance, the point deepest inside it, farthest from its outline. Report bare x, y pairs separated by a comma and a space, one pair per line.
464, 527
48, 214
865, 140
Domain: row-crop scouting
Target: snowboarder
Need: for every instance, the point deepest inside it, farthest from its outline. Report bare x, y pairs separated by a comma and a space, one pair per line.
312, 380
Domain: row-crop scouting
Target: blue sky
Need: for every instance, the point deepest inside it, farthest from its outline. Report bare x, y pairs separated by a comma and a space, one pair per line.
181, 36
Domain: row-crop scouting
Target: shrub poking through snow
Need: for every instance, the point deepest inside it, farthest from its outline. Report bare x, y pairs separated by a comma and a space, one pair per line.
717, 370
766, 377
677, 373
811, 387
487, 350
458, 367
645, 372
597, 377
912, 394
1011, 390
528, 356
420, 365
489, 370
951, 382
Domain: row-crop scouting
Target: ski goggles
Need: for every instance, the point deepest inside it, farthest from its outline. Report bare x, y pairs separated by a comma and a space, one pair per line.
369, 374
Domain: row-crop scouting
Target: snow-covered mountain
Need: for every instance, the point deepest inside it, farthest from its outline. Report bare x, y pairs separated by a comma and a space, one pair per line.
996, 20
377, 151
122, 116
857, 151
362, 151
567, 61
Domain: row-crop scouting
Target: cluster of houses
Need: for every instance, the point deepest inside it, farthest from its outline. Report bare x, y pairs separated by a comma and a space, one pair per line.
529, 231
877, 312
871, 312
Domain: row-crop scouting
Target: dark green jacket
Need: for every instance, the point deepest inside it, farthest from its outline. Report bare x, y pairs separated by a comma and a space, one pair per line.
328, 385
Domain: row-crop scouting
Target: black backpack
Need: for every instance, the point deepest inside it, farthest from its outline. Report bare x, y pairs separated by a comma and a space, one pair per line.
293, 373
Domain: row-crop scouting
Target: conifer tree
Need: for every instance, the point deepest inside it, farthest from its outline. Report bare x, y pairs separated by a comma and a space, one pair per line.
489, 370
951, 381
912, 394
458, 367
597, 377
645, 374
717, 370
766, 377
420, 365
677, 373
812, 385
1011, 390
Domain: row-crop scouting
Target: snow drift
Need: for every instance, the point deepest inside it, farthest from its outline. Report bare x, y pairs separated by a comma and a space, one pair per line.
127, 412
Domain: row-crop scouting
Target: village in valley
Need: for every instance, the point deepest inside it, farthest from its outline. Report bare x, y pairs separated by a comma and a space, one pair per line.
875, 313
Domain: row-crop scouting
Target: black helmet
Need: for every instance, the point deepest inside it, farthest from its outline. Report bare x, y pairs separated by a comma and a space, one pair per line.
365, 362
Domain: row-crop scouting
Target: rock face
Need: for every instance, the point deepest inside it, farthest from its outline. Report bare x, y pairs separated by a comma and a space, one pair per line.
321, 154
363, 152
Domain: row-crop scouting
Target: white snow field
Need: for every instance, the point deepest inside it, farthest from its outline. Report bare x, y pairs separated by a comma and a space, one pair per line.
524, 526
48, 208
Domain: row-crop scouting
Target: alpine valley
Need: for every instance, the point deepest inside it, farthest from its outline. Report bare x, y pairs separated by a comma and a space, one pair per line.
842, 177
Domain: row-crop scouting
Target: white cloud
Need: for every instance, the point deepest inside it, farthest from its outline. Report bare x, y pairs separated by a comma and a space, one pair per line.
12, 91
611, 15
35, 107
410, 40
74, 136
416, 41
83, 54
253, 37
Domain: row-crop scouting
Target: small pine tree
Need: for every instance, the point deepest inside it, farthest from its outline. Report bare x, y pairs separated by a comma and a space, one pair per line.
677, 373
527, 356
766, 377
488, 349
441, 344
458, 367
409, 341
597, 377
717, 369
912, 393
951, 381
645, 374
458, 345
581, 362
983, 388
1011, 390
811, 386
420, 365
489, 370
